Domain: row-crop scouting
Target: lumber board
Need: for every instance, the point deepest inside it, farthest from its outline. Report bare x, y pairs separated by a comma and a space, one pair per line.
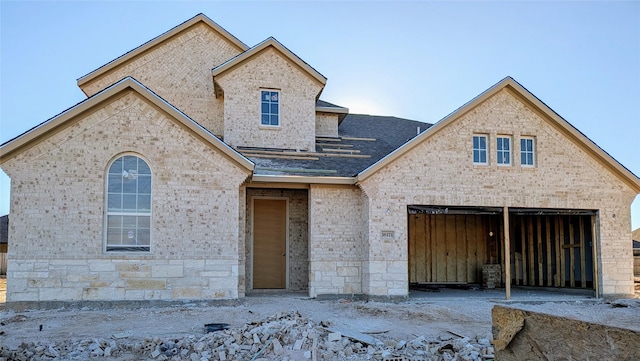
450, 244
412, 248
429, 225
523, 252
420, 251
548, 234
539, 253
563, 277
472, 237
461, 251
440, 258
530, 253
583, 261
572, 257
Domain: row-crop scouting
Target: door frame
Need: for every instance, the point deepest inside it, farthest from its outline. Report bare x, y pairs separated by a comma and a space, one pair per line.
252, 232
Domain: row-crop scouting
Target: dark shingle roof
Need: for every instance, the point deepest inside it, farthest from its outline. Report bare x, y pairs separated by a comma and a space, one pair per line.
373, 136
325, 104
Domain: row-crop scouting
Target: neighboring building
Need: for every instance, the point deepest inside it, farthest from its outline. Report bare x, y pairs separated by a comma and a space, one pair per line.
201, 168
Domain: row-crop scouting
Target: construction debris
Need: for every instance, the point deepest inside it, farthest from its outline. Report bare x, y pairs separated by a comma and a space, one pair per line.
283, 337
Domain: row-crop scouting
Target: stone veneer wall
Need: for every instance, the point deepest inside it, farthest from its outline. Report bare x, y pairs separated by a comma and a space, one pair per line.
269, 70
179, 70
440, 171
298, 252
326, 125
336, 244
57, 203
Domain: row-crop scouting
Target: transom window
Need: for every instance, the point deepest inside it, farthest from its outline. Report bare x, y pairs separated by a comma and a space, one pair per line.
270, 107
503, 148
480, 149
128, 215
527, 153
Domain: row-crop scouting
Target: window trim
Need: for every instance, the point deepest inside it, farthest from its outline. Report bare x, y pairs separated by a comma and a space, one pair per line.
107, 213
474, 149
499, 151
279, 104
532, 151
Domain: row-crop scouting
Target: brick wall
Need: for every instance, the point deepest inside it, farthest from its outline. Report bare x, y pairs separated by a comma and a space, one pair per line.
336, 240
179, 70
440, 171
326, 125
269, 70
57, 201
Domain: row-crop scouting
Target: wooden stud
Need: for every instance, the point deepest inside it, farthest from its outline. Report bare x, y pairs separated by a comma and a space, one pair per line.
421, 236
548, 234
556, 276
412, 248
561, 251
429, 223
523, 252
461, 238
440, 263
540, 263
572, 253
450, 244
507, 265
594, 247
530, 253
472, 263
583, 261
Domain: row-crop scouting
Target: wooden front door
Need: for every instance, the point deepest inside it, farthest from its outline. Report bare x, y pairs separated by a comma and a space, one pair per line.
269, 243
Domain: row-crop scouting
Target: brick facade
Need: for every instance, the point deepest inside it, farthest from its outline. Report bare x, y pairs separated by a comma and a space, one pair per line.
269, 70
179, 70
57, 200
439, 171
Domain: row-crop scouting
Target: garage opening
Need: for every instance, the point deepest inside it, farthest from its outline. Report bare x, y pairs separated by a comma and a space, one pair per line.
466, 246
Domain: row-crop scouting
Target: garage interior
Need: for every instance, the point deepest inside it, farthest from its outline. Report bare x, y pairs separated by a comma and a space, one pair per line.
547, 248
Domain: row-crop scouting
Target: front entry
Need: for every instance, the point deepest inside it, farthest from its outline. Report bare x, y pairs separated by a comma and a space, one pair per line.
269, 243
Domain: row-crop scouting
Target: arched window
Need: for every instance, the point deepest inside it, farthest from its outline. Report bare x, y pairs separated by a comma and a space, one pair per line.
128, 210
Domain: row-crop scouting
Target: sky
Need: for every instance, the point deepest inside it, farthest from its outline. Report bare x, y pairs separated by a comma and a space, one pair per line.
419, 60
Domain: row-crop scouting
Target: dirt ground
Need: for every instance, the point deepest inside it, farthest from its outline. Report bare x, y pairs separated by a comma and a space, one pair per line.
428, 314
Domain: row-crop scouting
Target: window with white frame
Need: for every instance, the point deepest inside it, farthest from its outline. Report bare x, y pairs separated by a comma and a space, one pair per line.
479, 149
503, 150
128, 210
270, 107
527, 151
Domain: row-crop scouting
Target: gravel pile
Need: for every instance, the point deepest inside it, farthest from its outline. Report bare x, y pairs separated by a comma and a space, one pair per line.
285, 336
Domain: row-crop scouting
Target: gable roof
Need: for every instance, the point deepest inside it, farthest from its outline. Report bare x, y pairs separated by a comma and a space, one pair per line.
565, 127
635, 235
273, 43
39, 132
200, 18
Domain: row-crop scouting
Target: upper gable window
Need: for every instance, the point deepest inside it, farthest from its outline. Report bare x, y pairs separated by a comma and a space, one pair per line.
128, 211
503, 148
270, 107
527, 152
480, 149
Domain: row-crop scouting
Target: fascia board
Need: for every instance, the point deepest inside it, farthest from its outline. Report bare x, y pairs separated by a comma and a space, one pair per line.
160, 39
270, 42
302, 179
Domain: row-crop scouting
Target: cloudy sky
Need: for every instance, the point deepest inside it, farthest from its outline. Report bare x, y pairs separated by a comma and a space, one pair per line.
419, 60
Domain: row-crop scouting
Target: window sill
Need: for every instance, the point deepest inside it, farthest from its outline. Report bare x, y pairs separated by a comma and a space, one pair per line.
269, 127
